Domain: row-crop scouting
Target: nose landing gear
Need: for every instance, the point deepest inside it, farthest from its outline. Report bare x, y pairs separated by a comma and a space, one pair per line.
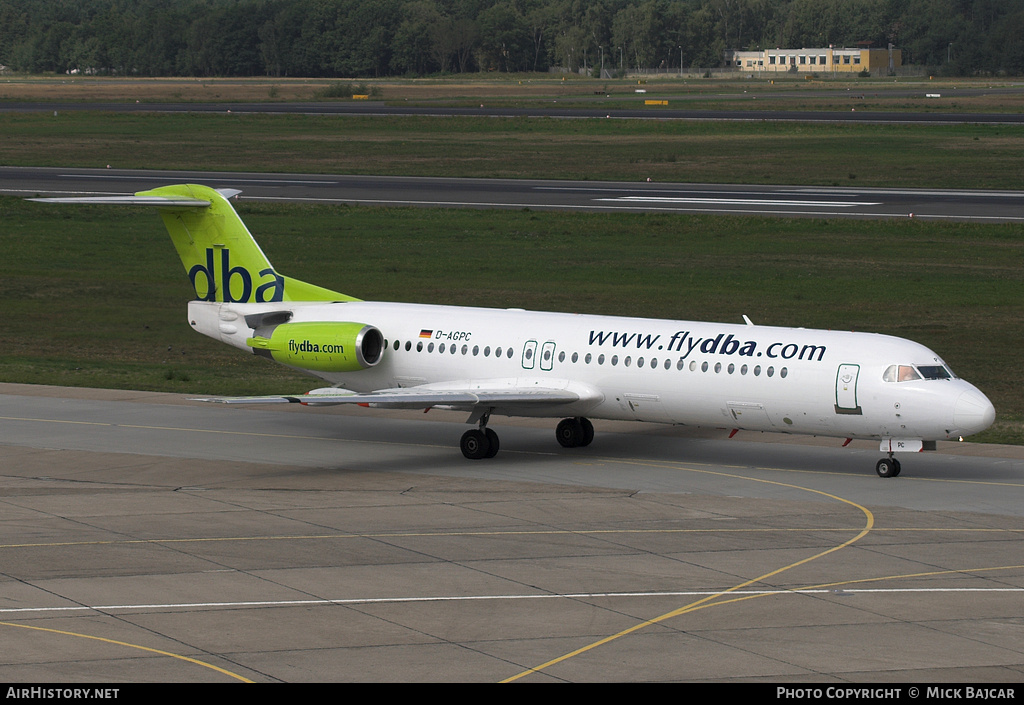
888, 467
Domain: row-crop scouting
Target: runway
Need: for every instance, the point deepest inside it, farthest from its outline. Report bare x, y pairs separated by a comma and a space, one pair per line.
724, 199
150, 538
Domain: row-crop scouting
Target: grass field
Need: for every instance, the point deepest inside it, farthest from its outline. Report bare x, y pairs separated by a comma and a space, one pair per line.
821, 92
941, 156
96, 297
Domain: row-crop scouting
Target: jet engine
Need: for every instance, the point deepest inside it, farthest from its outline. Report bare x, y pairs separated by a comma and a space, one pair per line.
320, 346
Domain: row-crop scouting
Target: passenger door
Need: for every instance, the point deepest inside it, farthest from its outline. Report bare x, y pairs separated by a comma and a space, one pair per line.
846, 389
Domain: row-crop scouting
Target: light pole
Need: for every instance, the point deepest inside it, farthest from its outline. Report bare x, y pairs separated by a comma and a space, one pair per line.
601, 47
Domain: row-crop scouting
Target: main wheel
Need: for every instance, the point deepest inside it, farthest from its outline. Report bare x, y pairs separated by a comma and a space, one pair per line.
475, 444
569, 433
887, 467
588, 431
492, 443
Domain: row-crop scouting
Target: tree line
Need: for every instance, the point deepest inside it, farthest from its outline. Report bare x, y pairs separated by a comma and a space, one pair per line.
375, 38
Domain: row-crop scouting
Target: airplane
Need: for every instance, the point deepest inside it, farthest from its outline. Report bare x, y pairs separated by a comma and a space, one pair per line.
512, 362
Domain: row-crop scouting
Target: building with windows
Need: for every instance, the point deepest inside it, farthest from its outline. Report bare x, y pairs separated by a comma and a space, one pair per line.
875, 61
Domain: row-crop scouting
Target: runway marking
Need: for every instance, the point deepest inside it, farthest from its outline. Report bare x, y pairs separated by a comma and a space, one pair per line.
627, 207
869, 523
826, 589
189, 659
737, 201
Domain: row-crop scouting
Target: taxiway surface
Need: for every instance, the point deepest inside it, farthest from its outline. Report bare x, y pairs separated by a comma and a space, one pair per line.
149, 538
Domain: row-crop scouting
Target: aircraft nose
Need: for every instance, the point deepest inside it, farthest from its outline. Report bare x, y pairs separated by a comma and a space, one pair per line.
973, 412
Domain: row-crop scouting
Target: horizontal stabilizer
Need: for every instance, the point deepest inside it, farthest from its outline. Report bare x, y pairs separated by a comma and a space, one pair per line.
158, 201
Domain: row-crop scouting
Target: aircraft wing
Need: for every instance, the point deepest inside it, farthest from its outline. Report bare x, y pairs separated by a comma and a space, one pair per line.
424, 397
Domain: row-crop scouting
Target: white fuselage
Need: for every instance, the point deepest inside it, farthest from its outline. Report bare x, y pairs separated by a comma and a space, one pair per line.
750, 377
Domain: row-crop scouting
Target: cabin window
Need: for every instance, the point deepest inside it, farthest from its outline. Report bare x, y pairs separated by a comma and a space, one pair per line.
419, 346
509, 355
600, 359
440, 348
587, 359
668, 363
743, 370
430, 347
397, 344
757, 370
784, 372
639, 362
575, 357
476, 350
704, 367
408, 345
615, 360
770, 371
718, 367
628, 360
561, 356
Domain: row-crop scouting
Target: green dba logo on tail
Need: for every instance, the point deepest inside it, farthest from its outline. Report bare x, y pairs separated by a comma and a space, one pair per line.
234, 283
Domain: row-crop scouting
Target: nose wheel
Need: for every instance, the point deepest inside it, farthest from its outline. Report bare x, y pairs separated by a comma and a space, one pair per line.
888, 467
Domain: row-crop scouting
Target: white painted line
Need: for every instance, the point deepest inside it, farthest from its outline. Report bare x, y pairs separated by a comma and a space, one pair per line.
476, 598
626, 206
739, 201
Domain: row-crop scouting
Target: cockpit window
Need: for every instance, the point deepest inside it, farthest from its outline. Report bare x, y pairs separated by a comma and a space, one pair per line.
908, 373
934, 372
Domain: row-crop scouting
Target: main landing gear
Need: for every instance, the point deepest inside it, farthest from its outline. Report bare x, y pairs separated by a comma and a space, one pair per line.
575, 432
482, 442
888, 467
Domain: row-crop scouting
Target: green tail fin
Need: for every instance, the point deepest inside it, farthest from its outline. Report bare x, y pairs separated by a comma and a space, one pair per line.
220, 256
